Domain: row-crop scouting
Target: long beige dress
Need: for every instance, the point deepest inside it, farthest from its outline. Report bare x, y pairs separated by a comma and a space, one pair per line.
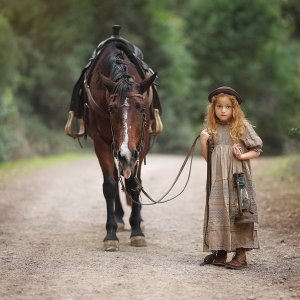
219, 230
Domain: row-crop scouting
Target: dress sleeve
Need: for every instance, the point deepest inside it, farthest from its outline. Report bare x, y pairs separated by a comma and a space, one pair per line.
251, 140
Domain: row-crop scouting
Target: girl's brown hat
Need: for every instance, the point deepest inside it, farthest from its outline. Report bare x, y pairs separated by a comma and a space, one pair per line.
226, 90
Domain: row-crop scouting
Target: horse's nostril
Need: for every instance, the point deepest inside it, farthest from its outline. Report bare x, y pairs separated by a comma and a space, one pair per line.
120, 157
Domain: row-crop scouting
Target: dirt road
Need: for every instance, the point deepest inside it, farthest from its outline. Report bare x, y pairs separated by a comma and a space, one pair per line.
52, 224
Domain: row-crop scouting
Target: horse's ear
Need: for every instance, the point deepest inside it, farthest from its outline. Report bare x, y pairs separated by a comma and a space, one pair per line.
145, 84
108, 83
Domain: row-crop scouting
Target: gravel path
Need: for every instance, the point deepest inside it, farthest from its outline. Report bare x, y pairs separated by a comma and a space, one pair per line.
52, 224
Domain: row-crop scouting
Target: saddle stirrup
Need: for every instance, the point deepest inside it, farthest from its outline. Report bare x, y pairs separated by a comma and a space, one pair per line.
68, 127
156, 126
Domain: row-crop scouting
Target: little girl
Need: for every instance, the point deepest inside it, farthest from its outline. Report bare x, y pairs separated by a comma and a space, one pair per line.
234, 143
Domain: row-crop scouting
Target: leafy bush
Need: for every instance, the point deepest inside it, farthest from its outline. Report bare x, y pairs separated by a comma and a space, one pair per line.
9, 140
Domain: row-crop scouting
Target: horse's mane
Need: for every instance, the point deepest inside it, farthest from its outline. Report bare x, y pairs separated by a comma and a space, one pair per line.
120, 76
118, 71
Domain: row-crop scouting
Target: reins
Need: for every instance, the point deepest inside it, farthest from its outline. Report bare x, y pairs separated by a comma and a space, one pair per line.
190, 154
104, 113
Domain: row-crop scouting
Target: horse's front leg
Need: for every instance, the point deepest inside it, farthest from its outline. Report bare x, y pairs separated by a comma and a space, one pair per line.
137, 238
110, 190
111, 241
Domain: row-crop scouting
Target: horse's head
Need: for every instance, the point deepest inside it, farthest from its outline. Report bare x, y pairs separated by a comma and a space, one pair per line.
128, 105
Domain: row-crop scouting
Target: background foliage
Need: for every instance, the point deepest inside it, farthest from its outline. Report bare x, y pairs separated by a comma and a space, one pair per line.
194, 45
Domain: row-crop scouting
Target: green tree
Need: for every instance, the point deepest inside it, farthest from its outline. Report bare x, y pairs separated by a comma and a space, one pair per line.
158, 31
8, 109
56, 39
291, 16
242, 44
291, 19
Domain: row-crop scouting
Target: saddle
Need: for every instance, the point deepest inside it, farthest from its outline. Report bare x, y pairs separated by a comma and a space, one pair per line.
136, 56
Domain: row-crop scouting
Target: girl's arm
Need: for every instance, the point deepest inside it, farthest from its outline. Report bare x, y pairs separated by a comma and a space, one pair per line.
237, 151
203, 142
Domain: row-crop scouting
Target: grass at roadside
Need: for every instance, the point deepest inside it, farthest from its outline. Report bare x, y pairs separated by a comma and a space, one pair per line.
285, 172
278, 187
14, 169
286, 168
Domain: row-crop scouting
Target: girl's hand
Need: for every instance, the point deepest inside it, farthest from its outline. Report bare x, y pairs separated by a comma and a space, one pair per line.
204, 135
237, 151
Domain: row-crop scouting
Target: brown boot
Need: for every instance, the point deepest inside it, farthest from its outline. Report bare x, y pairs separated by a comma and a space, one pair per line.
238, 261
220, 259
208, 259
217, 258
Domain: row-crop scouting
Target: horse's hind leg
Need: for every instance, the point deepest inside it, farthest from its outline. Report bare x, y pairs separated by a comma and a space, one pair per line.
119, 212
137, 238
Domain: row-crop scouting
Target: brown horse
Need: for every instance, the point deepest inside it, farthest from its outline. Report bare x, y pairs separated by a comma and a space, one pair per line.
118, 103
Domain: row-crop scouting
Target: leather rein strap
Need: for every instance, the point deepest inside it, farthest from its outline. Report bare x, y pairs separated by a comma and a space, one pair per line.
190, 154
210, 146
104, 113
129, 94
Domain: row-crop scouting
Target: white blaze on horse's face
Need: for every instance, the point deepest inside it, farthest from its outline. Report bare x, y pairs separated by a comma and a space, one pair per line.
124, 149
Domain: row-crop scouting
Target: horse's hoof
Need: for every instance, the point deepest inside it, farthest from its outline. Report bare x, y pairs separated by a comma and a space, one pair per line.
138, 241
111, 245
121, 226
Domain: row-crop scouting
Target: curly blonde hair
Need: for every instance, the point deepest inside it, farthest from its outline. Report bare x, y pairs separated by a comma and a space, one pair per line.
237, 123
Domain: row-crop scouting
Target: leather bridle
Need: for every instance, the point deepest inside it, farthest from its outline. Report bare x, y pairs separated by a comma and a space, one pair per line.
107, 113
140, 144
